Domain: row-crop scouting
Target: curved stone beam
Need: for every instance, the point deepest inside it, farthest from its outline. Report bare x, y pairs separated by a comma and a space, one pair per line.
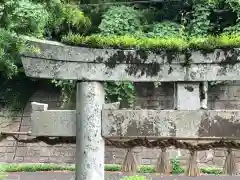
58, 61
53, 50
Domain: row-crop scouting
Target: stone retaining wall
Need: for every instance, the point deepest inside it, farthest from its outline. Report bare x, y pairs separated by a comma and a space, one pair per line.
222, 97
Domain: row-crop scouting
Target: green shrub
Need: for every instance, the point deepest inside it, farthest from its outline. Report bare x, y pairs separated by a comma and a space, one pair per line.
120, 91
120, 20
176, 166
27, 17
165, 29
211, 170
146, 169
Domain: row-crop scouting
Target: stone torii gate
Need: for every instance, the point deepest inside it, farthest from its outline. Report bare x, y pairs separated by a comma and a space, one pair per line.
93, 122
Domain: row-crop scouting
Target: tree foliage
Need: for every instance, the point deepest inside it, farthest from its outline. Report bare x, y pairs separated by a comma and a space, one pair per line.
49, 19
42, 19
120, 20
54, 19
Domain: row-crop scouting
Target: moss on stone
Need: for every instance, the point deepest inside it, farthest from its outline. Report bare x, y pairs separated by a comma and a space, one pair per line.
157, 45
168, 48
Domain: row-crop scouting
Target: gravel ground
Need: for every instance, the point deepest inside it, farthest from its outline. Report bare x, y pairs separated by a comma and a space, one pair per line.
108, 176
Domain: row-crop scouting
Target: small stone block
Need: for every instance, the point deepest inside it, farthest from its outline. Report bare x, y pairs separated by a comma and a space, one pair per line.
188, 97
112, 106
146, 162
39, 106
138, 108
53, 123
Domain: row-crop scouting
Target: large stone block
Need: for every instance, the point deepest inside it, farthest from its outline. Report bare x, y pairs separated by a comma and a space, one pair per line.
46, 122
54, 123
171, 123
188, 96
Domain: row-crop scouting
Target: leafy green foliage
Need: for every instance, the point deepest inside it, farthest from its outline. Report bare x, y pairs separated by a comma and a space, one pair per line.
200, 24
179, 26
68, 89
64, 18
211, 170
165, 29
31, 18
121, 20
120, 91
26, 17
21, 17
115, 91
176, 166
235, 6
146, 169
10, 45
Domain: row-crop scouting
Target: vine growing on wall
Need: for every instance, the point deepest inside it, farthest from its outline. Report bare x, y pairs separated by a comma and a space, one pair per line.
123, 92
200, 24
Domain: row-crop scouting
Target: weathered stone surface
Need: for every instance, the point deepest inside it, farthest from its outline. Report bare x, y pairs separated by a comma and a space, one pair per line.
143, 123
57, 61
228, 93
54, 123
52, 69
198, 123
39, 106
58, 51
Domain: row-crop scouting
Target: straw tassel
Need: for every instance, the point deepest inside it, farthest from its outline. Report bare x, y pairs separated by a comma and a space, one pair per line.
129, 164
209, 155
230, 167
163, 163
193, 169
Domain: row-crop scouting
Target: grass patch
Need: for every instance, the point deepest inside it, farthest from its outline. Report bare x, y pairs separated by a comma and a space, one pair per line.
34, 167
112, 167
211, 170
134, 178
108, 167
3, 176
156, 44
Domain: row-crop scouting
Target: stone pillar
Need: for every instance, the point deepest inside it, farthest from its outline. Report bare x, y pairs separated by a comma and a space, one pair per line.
204, 95
175, 96
187, 96
89, 141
